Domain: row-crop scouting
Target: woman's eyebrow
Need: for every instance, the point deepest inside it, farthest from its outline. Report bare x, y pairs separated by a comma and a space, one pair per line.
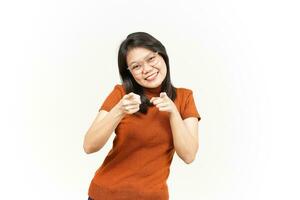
139, 61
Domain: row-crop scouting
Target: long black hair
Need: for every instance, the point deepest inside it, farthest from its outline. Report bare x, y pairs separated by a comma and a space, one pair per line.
145, 40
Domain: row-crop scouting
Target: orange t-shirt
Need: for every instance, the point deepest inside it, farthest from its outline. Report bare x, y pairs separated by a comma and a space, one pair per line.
138, 165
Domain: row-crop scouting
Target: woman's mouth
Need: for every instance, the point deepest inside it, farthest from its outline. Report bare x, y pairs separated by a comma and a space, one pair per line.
152, 77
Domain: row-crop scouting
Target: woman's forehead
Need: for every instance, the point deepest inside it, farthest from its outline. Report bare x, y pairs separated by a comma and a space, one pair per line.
137, 54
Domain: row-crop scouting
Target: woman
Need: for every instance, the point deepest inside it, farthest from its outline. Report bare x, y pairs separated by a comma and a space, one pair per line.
152, 120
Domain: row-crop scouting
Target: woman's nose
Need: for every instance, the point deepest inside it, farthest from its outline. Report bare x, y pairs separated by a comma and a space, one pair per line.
147, 67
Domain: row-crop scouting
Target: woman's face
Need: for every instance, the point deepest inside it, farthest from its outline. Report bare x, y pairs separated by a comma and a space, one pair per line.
153, 68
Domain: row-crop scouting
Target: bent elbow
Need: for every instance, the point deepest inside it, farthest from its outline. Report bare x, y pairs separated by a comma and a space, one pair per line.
86, 149
189, 161
191, 157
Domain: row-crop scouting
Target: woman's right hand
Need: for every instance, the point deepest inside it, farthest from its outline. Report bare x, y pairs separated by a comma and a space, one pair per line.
130, 103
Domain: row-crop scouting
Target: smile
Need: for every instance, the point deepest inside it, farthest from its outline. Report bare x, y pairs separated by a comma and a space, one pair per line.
152, 77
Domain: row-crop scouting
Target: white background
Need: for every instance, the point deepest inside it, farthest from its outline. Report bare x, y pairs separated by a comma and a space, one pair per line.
59, 62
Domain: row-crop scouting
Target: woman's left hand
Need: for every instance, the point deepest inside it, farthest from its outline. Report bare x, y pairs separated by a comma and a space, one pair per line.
164, 103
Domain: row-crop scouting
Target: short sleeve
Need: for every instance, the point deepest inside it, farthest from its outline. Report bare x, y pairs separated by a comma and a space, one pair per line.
190, 109
112, 99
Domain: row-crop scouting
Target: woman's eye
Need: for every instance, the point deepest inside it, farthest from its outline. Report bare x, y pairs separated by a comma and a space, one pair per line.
151, 58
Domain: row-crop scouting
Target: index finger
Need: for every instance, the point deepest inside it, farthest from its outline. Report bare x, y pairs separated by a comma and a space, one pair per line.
131, 94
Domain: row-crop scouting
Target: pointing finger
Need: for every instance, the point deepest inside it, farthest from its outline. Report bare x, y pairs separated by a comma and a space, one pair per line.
163, 94
131, 94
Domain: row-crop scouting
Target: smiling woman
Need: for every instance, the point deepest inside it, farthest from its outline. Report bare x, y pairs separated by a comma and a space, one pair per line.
152, 120
145, 74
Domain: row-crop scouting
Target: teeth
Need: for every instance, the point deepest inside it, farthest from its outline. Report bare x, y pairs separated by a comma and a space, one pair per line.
151, 76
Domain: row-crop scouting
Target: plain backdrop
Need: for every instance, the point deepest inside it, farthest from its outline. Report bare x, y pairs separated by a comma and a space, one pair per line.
240, 58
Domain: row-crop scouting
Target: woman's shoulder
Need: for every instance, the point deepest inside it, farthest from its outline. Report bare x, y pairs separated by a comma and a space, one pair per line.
183, 90
183, 93
119, 88
116, 90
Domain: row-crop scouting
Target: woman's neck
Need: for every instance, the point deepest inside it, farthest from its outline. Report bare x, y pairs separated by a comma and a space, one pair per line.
152, 91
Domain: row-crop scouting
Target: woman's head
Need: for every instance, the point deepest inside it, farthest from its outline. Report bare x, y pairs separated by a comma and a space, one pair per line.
147, 67
143, 63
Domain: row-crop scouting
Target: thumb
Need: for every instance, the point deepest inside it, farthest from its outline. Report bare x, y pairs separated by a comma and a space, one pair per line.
162, 94
130, 95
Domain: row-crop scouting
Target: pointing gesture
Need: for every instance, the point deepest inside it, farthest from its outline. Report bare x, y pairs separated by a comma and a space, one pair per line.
163, 103
130, 103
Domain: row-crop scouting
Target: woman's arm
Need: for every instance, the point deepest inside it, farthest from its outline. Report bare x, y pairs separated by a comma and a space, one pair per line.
102, 128
185, 136
185, 132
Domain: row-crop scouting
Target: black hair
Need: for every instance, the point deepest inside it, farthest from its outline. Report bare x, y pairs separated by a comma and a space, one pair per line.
145, 40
